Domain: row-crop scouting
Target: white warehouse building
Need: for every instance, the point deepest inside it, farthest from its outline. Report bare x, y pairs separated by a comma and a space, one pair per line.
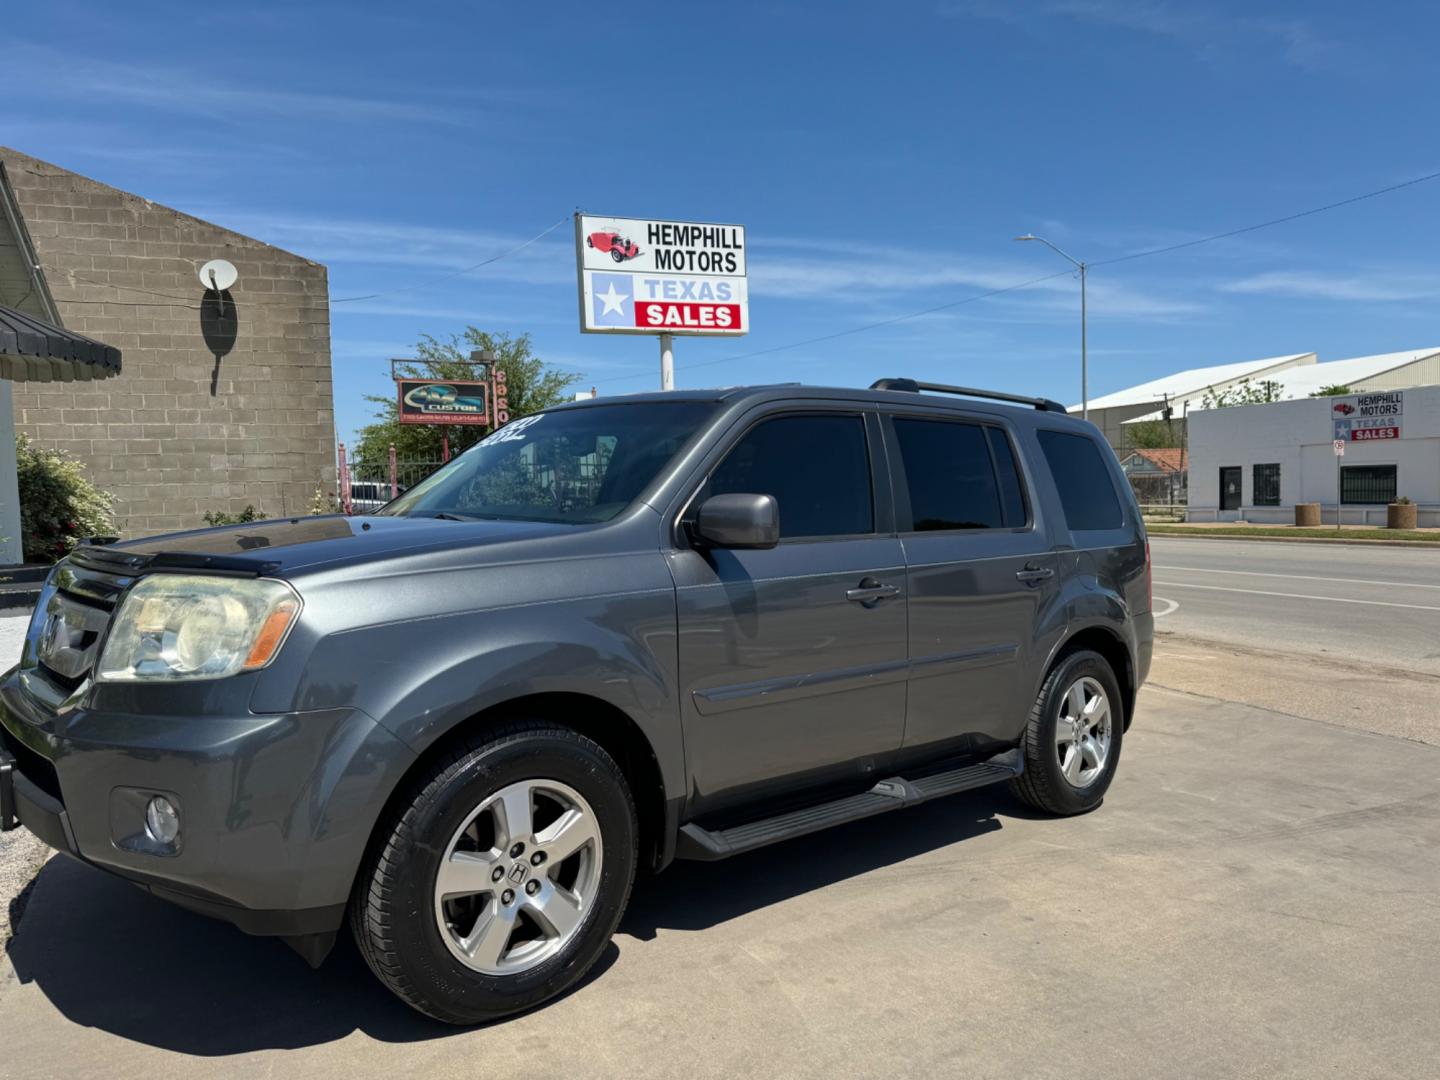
1255, 462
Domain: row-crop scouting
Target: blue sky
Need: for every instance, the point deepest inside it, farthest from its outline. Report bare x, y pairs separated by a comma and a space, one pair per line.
882, 157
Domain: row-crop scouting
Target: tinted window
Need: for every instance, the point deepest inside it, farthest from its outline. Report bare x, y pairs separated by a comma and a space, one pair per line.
1012, 497
815, 466
1087, 491
949, 475
569, 465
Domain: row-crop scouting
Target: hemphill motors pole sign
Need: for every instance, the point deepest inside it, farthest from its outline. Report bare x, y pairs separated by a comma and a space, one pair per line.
639, 276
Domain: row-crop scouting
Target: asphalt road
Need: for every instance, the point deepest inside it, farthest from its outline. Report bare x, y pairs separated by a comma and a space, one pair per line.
1359, 604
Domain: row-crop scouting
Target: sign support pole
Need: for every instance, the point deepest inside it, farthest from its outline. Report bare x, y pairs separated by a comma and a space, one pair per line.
1339, 445
667, 361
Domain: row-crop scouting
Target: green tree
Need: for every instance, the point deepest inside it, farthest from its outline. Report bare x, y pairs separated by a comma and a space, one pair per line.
1337, 390
530, 383
1244, 392
1150, 435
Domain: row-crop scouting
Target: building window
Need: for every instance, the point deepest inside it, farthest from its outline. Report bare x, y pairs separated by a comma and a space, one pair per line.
1367, 484
1267, 485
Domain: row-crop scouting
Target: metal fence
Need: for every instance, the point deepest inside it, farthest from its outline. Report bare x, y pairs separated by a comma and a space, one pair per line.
1158, 490
367, 484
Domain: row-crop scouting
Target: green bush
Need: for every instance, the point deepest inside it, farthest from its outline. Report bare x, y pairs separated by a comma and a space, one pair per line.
220, 517
58, 503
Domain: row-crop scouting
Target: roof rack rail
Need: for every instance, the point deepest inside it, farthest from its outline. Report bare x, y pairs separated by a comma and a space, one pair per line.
912, 386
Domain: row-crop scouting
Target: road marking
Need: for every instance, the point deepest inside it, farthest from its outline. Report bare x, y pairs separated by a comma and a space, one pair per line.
1297, 596
1301, 577
1169, 610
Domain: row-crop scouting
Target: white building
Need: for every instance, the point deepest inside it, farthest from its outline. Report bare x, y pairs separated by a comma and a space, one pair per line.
1255, 462
1109, 412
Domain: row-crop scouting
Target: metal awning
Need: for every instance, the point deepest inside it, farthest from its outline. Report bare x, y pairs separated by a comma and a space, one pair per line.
33, 350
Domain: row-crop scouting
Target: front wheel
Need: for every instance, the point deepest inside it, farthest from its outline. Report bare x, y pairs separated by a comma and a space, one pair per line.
1072, 739
497, 882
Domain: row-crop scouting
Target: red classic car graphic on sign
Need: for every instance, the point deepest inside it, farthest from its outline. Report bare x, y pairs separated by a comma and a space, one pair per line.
618, 246
1344, 408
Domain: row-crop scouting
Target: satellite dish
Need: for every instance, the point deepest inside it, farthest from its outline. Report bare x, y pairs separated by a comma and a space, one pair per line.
218, 274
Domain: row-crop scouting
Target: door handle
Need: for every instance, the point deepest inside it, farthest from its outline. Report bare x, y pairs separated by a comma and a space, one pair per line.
871, 592
1032, 575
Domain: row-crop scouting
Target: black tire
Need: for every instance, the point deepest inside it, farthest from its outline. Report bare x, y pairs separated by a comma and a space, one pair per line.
617, 255
1043, 784
392, 911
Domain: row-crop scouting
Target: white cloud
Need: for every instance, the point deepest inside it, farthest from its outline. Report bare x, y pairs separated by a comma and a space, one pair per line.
1206, 32
859, 275
1385, 288
210, 94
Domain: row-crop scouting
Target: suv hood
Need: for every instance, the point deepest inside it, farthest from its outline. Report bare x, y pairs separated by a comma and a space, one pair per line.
288, 544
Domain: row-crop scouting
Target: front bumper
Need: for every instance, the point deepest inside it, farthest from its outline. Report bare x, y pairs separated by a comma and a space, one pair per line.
276, 810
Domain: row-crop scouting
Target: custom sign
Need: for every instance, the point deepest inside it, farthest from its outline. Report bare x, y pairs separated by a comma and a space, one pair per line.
639, 276
1368, 417
443, 401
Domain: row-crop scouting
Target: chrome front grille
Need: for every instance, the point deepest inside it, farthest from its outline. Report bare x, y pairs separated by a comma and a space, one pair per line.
69, 636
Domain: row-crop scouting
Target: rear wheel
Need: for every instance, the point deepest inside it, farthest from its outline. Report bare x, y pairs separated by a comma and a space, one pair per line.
1072, 739
497, 882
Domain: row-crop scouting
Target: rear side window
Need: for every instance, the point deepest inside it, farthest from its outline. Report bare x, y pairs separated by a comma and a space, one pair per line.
957, 477
817, 467
1012, 497
1087, 491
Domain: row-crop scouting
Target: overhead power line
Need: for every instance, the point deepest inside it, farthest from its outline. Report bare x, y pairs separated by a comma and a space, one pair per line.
1035, 281
189, 301
1266, 224
456, 273
856, 329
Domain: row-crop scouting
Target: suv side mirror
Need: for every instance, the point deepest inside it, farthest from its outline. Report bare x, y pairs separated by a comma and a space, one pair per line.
739, 521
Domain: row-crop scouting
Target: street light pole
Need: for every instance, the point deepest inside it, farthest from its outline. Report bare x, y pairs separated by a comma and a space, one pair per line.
1084, 346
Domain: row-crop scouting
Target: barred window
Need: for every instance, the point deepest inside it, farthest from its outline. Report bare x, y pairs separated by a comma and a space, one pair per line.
1267, 485
1367, 484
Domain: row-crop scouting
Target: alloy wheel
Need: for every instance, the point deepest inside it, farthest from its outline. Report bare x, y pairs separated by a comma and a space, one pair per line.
519, 877
1083, 732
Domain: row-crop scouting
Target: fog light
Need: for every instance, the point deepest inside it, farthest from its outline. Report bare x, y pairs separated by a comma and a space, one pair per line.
162, 820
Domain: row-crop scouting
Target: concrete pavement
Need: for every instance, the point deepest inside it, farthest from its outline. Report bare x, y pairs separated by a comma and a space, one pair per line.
1257, 897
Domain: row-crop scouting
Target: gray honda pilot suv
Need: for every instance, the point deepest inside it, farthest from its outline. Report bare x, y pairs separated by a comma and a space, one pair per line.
612, 634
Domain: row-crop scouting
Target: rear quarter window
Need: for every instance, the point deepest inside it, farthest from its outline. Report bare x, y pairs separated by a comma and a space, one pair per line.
1083, 480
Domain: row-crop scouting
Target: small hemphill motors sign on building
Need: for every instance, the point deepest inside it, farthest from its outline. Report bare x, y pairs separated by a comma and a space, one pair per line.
1367, 417
639, 276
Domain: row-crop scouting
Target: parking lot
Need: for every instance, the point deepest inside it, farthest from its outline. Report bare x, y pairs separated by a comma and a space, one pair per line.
1258, 896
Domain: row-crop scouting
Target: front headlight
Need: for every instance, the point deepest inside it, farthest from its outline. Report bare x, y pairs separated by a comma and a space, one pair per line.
178, 626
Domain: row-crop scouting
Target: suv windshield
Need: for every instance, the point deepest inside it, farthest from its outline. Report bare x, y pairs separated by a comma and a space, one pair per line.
570, 465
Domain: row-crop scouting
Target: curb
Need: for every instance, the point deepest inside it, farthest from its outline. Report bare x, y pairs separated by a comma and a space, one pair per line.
1359, 541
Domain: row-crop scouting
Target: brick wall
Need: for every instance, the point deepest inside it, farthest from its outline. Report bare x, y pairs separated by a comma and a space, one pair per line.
155, 436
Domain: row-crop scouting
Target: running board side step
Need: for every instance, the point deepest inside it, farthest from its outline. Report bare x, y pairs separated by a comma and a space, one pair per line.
897, 792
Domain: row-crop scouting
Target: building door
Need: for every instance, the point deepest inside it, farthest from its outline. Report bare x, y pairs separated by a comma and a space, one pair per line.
1230, 487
